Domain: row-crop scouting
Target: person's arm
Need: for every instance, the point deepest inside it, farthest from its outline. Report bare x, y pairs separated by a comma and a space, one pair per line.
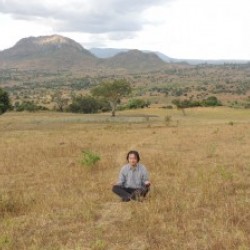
122, 177
145, 180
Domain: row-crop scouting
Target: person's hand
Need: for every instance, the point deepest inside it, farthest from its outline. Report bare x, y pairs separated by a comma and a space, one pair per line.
147, 183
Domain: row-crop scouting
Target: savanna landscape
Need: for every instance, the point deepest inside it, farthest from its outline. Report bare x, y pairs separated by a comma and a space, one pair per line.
198, 164
61, 150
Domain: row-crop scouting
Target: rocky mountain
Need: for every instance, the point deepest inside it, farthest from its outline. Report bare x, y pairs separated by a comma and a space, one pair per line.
47, 52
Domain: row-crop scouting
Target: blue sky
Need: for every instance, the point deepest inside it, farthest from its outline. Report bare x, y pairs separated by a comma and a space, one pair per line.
197, 29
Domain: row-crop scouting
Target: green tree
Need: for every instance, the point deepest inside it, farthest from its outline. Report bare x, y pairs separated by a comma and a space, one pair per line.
113, 92
4, 101
84, 104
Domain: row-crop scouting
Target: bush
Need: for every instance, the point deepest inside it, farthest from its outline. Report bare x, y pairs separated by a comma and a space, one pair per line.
89, 158
137, 103
211, 101
169, 107
247, 106
28, 106
186, 103
134, 104
84, 104
104, 105
4, 101
88, 105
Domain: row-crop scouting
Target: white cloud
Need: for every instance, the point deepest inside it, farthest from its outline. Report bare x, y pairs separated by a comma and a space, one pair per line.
11, 30
198, 29
180, 28
83, 15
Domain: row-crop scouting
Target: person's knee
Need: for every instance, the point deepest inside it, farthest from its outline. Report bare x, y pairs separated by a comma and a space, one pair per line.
115, 188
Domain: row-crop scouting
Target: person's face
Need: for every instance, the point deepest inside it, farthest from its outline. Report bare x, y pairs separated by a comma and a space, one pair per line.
132, 160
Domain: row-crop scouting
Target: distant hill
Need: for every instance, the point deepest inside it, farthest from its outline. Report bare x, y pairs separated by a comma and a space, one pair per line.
106, 52
47, 52
110, 52
134, 60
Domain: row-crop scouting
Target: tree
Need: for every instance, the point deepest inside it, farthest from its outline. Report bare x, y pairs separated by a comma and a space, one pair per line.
84, 104
113, 92
4, 101
61, 101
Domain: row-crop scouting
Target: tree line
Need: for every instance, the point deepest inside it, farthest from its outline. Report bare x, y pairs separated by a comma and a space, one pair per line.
104, 97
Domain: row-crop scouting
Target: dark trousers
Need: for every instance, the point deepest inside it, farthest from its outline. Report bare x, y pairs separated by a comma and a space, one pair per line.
130, 193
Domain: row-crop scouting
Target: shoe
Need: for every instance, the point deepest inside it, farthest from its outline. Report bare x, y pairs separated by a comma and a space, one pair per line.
136, 195
125, 199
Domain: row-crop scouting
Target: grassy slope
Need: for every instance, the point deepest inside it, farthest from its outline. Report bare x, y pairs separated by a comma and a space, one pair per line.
199, 168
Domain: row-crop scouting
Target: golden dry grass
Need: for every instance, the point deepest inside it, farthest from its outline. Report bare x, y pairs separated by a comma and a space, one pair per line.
199, 167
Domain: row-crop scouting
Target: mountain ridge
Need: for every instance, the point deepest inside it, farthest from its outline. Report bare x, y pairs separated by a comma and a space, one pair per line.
55, 52
59, 53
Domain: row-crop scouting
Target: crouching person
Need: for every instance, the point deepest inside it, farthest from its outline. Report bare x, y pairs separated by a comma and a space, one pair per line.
133, 183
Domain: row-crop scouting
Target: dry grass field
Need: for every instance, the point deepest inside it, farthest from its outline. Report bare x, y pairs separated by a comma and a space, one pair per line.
199, 167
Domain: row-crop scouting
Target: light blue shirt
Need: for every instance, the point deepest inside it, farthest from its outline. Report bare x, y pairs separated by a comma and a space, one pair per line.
133, 177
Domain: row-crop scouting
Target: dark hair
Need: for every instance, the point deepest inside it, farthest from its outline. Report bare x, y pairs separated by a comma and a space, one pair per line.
133, 152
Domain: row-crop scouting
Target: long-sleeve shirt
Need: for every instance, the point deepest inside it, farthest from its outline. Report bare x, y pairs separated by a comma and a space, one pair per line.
133, 177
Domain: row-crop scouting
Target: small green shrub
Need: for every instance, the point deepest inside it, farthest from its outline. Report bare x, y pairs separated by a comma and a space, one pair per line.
225, 173
168, 119
89, 158
99, 245
5, 242
137, 103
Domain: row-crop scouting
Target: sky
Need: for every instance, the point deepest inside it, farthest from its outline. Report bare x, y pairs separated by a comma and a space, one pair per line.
185, 29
